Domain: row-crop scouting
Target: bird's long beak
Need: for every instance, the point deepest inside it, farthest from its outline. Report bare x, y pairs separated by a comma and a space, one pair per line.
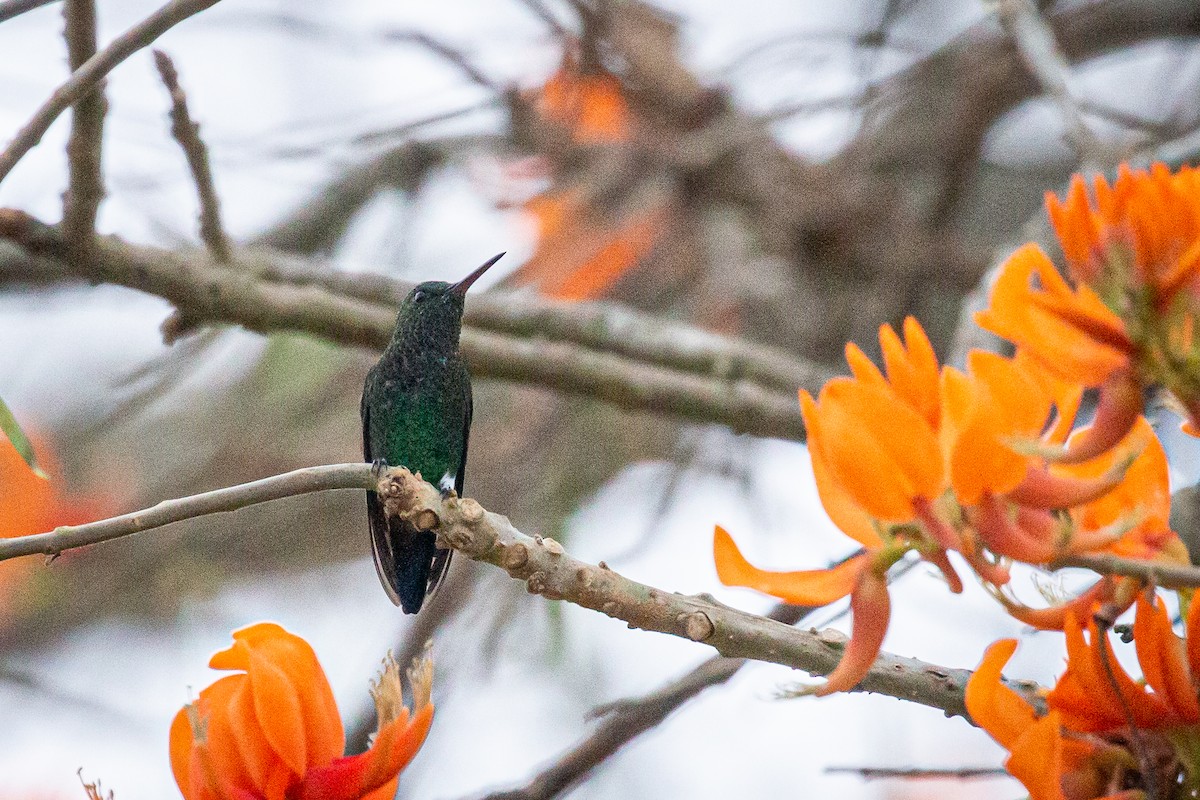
461, 287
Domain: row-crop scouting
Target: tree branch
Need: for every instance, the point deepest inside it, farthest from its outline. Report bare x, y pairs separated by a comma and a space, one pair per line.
1167, 576
205, 292
289, 484
919, 773
15, 8
85, 177
187, 133
546, 570
1040, 52
625, 720
85, 78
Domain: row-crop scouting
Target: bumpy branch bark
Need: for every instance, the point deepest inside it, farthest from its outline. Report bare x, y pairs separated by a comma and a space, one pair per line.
84, 79
205, 292
546, 570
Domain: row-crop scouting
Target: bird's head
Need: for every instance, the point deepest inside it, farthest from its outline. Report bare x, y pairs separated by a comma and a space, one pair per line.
433, 310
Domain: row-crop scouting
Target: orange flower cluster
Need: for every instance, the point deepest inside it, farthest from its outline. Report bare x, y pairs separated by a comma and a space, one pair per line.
1132, 250
272, 732
985, 463
1082, 747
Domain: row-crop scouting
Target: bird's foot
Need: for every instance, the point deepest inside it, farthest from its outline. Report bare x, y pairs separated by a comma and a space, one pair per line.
378, 467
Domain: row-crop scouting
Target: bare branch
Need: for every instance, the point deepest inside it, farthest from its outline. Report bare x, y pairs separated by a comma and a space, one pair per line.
1039, 50
15, 8
83, 79
289, 484
451, 54
546, 570
85, 177
187, 133
204, 292
1168, 576
623, 721
921, 773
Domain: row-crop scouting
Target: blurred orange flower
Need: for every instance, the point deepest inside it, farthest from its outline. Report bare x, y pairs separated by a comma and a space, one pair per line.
580, 254
32, 504
583, 246
1083, 748
273, 731
589, 104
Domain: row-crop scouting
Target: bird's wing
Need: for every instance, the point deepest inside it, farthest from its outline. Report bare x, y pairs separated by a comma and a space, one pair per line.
441, 558
381, 540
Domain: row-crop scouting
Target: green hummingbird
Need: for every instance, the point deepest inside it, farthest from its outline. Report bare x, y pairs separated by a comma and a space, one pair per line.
416, 412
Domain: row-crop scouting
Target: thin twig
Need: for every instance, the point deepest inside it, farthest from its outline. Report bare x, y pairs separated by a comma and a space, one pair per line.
1156, 573
15, 8
83, 79
545, 569
1040, 52
289, 484
451, 54
920, 773
624, 720
208, 293
187, 133
1136, 738
85, 176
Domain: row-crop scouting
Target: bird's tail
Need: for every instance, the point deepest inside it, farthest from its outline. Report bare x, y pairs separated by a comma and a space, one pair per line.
409, 563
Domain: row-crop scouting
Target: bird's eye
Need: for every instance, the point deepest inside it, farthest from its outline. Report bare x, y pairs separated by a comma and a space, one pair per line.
418, 297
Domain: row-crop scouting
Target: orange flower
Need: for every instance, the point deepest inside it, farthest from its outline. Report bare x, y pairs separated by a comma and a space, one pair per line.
1072, 333
590, 104
863, 577
1133, 250
33, 504
1052, 766
877, 464
581, 255
1142, 496
273, 731
1147, 223
1082, 747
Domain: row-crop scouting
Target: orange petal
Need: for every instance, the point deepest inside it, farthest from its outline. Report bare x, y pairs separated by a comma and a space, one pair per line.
292, 696
912, 369
872, 608
1117, 411
1102, 677
1043, 489
996, 708
1161, 654
1001, 530
1037, 759
880, 449
816, 587
841, 507
1054, 618
1041, 320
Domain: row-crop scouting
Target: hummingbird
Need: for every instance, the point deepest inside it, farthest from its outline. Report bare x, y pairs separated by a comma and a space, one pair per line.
416, 412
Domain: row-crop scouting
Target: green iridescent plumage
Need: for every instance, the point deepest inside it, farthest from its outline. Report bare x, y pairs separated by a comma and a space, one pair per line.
416, 412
